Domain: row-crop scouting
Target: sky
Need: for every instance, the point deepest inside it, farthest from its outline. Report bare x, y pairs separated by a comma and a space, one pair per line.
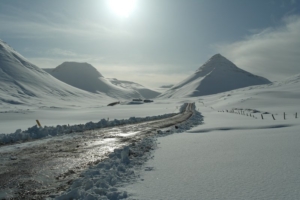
159, 42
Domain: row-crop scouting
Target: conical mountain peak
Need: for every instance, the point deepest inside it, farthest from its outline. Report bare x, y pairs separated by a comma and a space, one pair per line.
217, 62
217, 75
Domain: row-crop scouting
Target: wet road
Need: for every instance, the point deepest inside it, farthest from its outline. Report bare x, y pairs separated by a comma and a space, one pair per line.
35, 169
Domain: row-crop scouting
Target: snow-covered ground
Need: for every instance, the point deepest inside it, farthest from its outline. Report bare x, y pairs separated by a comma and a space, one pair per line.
12, 118
230, 156
234, 154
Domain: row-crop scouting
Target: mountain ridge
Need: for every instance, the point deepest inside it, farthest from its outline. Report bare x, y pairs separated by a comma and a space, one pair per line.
87, 77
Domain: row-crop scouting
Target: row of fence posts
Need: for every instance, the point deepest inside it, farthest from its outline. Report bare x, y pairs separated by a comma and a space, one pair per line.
284, 116
262, 116
239, 112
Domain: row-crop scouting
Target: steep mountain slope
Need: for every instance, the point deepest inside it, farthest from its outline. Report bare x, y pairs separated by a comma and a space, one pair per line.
86, 77
145, 92
217, 75
24, 83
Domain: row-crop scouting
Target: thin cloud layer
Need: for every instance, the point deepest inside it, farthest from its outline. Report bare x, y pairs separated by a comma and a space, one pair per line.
272, 53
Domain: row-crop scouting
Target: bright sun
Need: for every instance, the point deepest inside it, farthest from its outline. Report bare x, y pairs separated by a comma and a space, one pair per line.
122, 7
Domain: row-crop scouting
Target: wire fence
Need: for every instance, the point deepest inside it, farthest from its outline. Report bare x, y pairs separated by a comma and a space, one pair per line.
265, 115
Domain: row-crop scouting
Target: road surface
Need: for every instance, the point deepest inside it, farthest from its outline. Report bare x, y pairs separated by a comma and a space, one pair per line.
35, 169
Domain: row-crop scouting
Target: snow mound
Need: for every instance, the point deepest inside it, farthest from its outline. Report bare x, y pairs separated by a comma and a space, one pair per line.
84, 76
50, 131
217, 75
145, 92
21, 82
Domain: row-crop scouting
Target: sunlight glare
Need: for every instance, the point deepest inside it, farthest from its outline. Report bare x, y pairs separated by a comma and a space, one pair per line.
122, 7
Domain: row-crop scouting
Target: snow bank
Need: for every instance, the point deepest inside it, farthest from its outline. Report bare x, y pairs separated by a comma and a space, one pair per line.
36, 133
123, 165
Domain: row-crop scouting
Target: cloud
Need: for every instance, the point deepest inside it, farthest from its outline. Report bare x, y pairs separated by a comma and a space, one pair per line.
272, 53
19, 23
56, 56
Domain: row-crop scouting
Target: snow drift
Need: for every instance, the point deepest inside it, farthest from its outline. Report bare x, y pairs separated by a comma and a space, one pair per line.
84, 76
217, 75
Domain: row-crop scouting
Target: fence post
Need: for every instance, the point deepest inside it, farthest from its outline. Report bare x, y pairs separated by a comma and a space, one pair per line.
262, 117
273, 116
38, 123
284, 115
296, 116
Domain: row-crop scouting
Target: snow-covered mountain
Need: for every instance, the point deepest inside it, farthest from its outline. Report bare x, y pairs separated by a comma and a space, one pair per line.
217, 75
21, 82
145, 92
86, 77
163, 88
166, 86
278, 97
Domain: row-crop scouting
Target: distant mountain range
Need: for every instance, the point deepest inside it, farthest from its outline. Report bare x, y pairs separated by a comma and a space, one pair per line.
21, 82
84, 76
217, 75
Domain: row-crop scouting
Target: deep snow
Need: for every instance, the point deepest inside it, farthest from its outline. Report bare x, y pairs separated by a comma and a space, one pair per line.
258, 162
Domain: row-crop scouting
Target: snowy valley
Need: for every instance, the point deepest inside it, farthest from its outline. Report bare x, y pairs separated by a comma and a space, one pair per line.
222, 133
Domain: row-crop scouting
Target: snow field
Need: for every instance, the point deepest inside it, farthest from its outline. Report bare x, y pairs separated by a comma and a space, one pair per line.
227, 157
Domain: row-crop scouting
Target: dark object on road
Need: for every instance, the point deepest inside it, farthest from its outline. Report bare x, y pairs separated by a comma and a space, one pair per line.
114, 103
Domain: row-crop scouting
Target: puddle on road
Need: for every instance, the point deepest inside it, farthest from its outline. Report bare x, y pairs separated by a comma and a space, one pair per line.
128, 134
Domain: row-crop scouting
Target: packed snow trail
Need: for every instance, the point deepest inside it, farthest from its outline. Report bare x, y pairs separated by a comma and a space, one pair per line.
42, 167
